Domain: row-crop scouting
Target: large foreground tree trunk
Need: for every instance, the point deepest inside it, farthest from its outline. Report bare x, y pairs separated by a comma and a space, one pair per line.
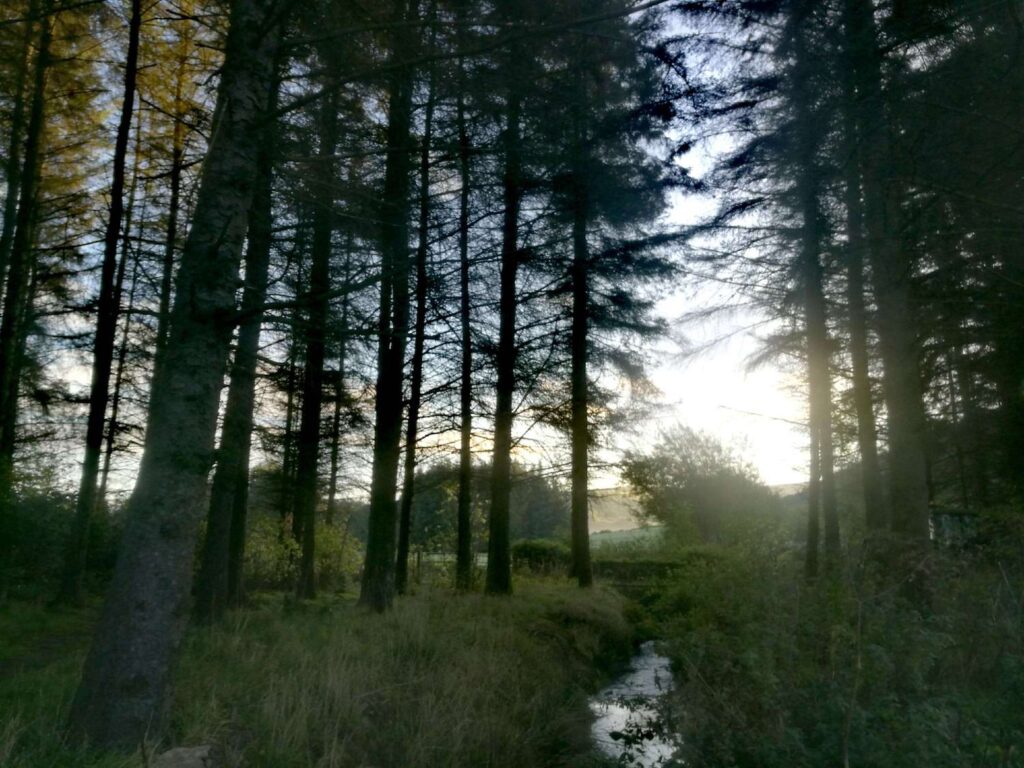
121, 698
225, 522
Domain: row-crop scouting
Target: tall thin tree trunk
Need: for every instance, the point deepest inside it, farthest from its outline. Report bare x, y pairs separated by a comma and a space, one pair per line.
224, 521
122, 696
115, 395
318, 303
579, 351
811, 553
419, 337
173, 211
19, 265
891, 273
498, 578
106, 332
875, 512
17, 135
339, 393
122, 347
464, 533
378, 585
809, 191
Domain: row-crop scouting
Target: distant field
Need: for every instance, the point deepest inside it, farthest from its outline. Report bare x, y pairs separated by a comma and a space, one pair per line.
650, 534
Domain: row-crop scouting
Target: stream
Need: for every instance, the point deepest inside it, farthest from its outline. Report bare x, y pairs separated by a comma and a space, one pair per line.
627, 726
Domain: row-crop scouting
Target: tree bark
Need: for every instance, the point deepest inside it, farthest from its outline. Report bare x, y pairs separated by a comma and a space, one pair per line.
122, 696
225, 520
498, 579
106, 332
378, 584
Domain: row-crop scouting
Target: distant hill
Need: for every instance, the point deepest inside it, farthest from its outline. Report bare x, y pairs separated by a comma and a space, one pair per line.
788, 489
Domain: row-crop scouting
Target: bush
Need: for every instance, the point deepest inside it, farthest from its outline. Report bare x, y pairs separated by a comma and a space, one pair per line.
272, 559
775, 672
33, 538
541, 555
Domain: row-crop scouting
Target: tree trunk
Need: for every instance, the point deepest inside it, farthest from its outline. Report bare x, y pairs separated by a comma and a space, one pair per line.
122, 696
318, 303
378, 585
339, 393
499, 551
809, 190
122, 347
813, 512
173, 210
875, 512
19, 266
17, 128
106, 332
579, 513
464, 541
892, 273
225, 521
419, 334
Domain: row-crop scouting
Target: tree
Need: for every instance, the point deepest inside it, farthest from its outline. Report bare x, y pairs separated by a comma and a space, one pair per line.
379, 571
124, 682
699, 488
106, 329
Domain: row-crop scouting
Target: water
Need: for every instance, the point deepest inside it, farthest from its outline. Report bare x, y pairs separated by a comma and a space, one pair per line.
627, 726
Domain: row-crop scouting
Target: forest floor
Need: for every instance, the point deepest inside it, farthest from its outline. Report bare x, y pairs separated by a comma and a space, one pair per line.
442, 680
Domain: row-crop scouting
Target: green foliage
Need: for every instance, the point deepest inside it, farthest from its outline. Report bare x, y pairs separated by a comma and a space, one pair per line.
772, 672
541, 555
272, 556
701, 490
441, 680
34, 533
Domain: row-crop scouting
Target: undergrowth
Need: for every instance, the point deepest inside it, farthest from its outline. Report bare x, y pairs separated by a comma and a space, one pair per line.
442, 680
853, 670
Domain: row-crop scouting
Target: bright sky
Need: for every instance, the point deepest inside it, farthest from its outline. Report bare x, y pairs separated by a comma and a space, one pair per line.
759, 411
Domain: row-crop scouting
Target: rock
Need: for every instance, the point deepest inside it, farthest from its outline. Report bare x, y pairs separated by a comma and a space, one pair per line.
186, 757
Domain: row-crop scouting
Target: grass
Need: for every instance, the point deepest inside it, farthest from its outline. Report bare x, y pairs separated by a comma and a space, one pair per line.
442, 680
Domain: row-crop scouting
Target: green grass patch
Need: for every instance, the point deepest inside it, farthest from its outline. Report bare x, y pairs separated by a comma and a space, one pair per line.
442, 680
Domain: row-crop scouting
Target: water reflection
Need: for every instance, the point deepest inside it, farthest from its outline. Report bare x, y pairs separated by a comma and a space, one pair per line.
627, 725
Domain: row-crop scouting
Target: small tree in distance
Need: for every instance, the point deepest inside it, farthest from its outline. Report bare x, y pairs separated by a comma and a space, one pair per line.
700, 489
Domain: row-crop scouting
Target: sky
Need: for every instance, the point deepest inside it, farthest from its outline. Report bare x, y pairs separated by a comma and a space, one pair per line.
759, 412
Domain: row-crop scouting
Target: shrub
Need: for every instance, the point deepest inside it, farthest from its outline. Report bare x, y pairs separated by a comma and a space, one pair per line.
541, 555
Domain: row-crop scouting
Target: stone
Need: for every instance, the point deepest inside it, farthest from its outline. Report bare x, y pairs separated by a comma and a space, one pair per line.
186, 757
